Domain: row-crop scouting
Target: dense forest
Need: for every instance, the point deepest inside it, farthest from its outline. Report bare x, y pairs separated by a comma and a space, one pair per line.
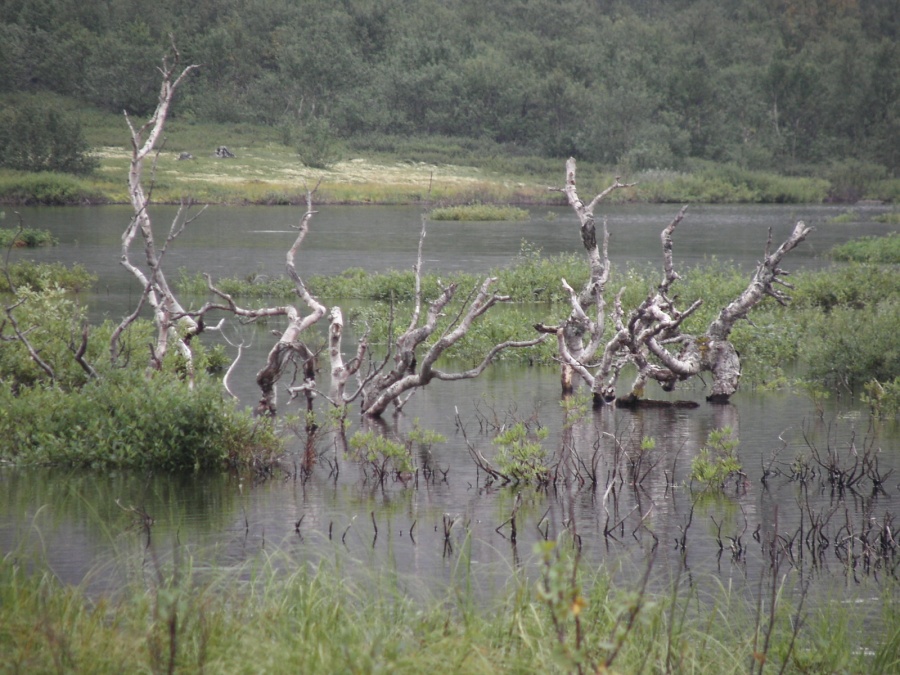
781, 85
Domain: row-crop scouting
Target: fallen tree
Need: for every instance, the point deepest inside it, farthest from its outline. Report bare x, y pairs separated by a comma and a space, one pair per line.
650, 336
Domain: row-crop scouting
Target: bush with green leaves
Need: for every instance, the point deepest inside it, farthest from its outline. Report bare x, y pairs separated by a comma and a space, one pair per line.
382, 453
117, 415
316, 142
522, 456
717, 461
850, 346
882, 397
479, 213
35, 137
884, 249
126, 419
25, 238
46, 276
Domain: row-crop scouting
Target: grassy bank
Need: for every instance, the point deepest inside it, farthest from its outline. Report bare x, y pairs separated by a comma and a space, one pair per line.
389, 170
272, 616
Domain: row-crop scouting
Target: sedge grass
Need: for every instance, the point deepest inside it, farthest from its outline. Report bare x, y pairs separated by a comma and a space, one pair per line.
275, 615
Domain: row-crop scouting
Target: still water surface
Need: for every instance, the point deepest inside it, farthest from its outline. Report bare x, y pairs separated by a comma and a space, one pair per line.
80, 523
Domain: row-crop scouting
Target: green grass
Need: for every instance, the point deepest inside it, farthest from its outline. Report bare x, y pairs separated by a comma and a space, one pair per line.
892, 218
273, 616
478, 213
883, 250
380, 169
25, 238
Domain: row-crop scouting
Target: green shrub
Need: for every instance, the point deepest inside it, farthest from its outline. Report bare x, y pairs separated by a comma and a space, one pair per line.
882, 397
52, 323
25, 238
521, 454
479, 212
127, 420
850, 346
116, 416
44, 276
381, 453
892, 218
884, 249
717, 461
47, 188
854, 286
37, 137
316, 142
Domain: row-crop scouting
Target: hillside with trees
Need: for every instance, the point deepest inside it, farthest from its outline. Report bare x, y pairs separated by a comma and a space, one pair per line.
798, 87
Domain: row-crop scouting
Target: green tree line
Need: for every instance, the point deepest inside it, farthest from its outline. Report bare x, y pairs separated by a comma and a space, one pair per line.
780, 85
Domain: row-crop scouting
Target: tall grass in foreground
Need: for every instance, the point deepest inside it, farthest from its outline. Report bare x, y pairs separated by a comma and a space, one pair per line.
271, 616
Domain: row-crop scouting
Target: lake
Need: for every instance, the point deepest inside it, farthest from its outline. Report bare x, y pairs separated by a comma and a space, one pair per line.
450, 523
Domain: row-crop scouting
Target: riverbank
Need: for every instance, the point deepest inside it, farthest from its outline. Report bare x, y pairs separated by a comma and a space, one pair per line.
260, 169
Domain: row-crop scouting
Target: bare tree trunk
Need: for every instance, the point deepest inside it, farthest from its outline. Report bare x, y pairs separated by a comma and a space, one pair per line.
173, 324
582, 333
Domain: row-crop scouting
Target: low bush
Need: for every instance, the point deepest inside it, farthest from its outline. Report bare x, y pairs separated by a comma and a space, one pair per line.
850, 346
47, 188
479, 213
57, 412
26, 238
127, 420
43, 276
884, 250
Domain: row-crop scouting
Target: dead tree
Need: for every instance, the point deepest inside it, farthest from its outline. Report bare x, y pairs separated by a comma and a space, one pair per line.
414, 359
289, 345
649, 337
173, 324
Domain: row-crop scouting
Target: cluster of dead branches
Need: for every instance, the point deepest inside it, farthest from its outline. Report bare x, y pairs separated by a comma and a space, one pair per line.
650, 336
411, 361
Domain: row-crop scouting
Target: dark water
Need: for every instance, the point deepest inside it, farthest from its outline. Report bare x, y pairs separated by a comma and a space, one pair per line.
85, 524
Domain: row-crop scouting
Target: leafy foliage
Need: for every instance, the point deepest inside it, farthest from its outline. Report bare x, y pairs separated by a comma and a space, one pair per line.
717, 461
44, 276
25, 238
521, 455
125, 420
884, 249
752, 87
116, 415
478, 212
36, 137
